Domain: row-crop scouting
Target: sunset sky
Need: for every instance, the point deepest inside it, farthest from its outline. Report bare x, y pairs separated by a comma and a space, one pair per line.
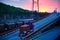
44, 5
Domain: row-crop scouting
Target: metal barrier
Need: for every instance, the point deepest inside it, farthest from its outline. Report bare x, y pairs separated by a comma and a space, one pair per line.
28, 37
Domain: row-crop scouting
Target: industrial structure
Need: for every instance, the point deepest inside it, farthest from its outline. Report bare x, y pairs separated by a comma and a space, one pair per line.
35, 2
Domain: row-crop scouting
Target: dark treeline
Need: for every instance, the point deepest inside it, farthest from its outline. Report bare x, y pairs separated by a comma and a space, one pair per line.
10, 12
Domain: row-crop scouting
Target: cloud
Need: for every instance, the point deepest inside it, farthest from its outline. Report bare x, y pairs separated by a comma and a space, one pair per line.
15, 0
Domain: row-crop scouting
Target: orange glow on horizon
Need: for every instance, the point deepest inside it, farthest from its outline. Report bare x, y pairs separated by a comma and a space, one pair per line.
44, 6
43, 9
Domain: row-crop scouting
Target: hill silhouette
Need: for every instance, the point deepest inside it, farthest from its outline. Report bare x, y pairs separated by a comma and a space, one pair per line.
10, 10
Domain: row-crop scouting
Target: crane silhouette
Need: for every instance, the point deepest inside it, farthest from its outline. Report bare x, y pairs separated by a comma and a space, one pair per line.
35, 2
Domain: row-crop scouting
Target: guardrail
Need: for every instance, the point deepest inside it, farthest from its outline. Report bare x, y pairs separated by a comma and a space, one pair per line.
7, 32
11, 30
15, 29
28, 37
